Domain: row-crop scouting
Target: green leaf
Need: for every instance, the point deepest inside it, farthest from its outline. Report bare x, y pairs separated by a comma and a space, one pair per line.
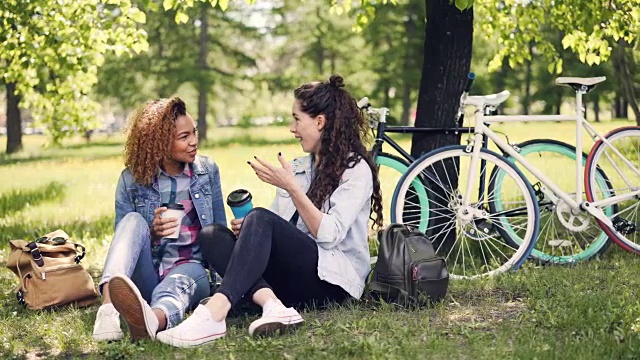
224, 4
168, 4
181, 17
140, 46
559, 66
568, 40
462, 4
138, 16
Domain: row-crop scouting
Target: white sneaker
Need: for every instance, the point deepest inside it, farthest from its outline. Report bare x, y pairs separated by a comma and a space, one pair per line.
275, 318
197, 329
107, 325
138, 315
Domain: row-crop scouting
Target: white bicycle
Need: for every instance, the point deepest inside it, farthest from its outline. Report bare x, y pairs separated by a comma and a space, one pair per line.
495, 228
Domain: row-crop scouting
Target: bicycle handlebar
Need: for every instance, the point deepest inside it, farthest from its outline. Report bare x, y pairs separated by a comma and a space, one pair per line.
470, 78
363, 103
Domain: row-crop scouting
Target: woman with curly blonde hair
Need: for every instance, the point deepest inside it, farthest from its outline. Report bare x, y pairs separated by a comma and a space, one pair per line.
154, 270
310, 247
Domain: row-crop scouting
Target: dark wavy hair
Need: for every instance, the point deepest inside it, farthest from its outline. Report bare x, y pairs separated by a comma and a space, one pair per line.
342, 143
149, 135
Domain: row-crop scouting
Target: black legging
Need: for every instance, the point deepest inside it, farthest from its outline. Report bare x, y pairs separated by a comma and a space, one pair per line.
270, 253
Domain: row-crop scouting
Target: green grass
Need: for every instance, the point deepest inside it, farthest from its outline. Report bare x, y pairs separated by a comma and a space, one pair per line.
588, 311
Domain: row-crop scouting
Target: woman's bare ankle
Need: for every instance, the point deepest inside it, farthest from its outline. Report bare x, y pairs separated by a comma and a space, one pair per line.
162, 319
219, 306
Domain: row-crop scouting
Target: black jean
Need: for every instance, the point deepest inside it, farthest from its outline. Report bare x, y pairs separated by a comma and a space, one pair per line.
270, 253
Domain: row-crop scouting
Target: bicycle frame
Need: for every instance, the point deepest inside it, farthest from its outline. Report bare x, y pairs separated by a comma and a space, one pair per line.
381, 137
482, 131
384, 129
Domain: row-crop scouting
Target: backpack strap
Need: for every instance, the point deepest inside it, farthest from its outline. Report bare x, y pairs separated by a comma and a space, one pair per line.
19, 291
35, 253
391, 292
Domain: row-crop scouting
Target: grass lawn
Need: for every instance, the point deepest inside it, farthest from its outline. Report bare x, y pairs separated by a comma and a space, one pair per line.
587, 311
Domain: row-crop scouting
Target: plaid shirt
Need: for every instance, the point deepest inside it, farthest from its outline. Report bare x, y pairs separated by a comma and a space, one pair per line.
168, 253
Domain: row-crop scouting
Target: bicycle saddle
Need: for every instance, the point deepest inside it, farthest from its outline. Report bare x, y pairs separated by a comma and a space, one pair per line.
578, 83
491, 100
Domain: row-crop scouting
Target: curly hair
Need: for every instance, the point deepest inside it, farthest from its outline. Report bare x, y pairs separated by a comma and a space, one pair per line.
342, 141
149, 136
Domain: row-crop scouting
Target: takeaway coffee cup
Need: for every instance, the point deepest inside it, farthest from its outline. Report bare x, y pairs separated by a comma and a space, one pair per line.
174, 211
240, 202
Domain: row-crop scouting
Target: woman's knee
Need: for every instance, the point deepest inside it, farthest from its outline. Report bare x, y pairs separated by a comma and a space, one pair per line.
258, 214
213, 234
133, 225
133, 220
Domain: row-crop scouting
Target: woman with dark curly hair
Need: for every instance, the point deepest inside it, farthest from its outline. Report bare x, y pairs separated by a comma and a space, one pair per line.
311, 247
154, 269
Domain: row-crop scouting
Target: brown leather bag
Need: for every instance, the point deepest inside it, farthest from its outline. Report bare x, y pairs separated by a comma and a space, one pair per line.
50, 272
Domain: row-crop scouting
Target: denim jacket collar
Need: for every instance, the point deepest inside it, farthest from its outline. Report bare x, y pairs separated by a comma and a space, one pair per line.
198, 167
302, 164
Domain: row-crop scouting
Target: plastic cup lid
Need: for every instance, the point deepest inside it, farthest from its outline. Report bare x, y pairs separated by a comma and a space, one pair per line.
238, 197
173, 206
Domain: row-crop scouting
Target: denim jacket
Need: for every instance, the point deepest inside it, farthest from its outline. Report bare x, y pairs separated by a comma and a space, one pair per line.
205, 191
342, 239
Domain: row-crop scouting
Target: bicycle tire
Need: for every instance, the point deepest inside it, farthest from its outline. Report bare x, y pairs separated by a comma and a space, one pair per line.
401, 165
558, 241
625, 231
476, 230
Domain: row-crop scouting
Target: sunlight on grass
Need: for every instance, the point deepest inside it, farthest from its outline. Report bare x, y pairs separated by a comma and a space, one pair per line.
584, 311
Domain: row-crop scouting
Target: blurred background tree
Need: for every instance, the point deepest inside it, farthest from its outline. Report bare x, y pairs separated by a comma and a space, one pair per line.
70, 64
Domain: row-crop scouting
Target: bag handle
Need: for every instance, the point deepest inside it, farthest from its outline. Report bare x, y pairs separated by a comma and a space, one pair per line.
19, 293
79, 257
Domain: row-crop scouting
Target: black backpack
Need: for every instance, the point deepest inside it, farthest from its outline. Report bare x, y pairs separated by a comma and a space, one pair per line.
407, 272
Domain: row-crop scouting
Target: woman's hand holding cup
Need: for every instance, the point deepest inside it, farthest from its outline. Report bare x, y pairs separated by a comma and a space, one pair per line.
236, 224
162, 226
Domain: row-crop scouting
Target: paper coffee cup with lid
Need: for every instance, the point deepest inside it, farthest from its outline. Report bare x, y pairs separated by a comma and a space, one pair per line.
174, 210
240, 202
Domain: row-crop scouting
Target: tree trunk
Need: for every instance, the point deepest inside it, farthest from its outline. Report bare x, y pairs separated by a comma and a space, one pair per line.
500, 83
406, 103
620, 106
14, 120
622, 68
596, 108
558, 101
333, 63
526, 99
203, 82
447, 59
386, 99
320, 51
412, 26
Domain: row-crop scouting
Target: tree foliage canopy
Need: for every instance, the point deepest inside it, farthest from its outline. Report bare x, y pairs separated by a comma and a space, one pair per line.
588, 28
52, 50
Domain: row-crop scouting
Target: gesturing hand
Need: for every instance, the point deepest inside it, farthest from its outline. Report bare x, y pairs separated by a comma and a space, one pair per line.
281, 177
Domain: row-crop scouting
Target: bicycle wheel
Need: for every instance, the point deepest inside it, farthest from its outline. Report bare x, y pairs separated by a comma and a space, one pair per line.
564, 237
624, 178
390, 170
467, 237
